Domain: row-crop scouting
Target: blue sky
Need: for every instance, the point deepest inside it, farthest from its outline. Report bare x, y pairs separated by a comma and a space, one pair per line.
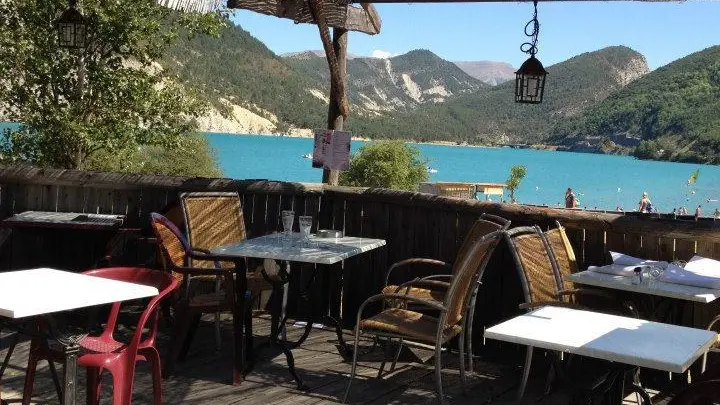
662, 32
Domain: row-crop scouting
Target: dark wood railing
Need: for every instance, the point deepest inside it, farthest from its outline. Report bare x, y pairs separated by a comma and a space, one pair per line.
414, 225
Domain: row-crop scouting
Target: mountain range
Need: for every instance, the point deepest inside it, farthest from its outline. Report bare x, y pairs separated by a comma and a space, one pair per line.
420, 96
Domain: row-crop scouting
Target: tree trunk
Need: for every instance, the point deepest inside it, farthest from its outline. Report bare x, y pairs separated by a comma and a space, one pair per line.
335, 119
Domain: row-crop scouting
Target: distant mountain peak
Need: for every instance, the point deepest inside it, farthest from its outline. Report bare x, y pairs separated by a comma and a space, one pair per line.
490, 72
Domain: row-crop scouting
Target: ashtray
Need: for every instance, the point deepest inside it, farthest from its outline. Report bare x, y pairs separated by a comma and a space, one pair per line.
329, 233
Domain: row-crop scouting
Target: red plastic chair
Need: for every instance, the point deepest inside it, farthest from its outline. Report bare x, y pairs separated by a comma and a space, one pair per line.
99, 353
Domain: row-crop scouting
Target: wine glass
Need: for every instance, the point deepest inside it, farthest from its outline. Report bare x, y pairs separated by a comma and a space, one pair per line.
305, 225
288, 217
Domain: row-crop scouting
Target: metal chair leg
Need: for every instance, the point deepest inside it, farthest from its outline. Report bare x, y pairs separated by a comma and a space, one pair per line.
386, 354
526, 373
16, 339
353, 369
461, 347
397, 355
218, 337
438, 373
469, 329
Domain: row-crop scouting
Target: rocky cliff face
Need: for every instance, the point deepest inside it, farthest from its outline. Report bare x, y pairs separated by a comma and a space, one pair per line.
400, 83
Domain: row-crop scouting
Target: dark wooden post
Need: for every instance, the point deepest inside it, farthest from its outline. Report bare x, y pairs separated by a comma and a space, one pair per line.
335, 119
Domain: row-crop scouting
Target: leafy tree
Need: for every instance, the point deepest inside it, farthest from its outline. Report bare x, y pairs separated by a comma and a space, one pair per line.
517, 173
108, 99
387, 164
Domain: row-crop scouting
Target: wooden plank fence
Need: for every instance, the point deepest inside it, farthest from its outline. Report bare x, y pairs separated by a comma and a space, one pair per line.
414, 225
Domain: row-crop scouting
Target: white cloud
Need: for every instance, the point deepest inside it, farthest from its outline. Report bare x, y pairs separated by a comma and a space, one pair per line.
381, 54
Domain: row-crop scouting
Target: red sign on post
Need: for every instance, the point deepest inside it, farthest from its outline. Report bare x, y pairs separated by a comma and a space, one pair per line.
331, 150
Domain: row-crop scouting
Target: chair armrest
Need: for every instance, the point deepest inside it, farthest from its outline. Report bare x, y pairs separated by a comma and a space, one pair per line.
439, 276
423, 283
202, 254
195, 271
713, 322
402, 297
416, 261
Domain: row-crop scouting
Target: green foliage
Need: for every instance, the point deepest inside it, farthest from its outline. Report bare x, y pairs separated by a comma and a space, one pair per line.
108, 99
195, 158
517, 174
673, 110
386, 164
241, 69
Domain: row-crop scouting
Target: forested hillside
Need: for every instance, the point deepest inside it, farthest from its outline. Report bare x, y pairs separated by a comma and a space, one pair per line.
492, 116
673, 112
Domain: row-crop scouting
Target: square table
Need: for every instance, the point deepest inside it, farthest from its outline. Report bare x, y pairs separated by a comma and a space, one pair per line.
67, 220
614, 338
34, 292
658, 288
287, 248
90, 231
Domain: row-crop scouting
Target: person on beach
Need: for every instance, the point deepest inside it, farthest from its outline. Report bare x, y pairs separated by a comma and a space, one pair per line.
645, 204
570, 199
698, 212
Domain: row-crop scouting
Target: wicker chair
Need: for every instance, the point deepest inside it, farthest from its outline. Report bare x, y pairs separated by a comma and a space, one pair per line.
403, 324
538, 274
433, 288
215, 219
188, 304
542, 259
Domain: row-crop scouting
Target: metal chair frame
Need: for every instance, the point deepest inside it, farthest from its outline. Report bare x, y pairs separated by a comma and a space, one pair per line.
489, 243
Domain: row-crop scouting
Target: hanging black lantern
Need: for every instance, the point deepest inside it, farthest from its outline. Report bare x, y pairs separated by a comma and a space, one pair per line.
530, 78
71, 28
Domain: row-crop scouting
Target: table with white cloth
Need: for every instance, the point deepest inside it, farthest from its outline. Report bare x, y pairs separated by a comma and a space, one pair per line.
617, 339
25, 294
291, 248
676, 287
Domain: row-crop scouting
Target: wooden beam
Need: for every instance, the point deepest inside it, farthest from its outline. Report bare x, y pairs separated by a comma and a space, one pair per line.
336, 120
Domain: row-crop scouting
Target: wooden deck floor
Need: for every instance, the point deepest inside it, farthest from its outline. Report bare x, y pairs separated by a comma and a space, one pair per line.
204, 378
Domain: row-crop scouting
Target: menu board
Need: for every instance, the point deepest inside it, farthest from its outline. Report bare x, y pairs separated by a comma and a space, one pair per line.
331, 150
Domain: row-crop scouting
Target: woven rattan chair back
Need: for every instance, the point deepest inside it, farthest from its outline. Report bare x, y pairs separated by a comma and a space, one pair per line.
213, 219
172, 243
563, 253
534, 263
480, 228
467, 272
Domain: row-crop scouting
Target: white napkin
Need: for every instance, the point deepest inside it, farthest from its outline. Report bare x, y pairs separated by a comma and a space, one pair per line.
626, 260
677, 275
698, 272
616, 269
703, 266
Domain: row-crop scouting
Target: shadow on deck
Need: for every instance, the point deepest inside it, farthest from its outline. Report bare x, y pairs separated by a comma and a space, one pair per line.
204, 378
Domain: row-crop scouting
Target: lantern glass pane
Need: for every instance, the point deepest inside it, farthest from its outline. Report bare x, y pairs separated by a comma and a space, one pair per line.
531, 89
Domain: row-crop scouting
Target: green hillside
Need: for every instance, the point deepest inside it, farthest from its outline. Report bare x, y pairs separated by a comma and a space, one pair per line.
673, 110
492, 116
238, 67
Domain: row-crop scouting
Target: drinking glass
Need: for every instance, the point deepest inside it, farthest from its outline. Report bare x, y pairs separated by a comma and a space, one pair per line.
305, 225
653, 274
288, 217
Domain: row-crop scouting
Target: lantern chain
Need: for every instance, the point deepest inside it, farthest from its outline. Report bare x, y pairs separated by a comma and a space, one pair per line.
532, 30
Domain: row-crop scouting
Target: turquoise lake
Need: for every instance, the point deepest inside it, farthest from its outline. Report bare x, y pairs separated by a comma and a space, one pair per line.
602, 181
